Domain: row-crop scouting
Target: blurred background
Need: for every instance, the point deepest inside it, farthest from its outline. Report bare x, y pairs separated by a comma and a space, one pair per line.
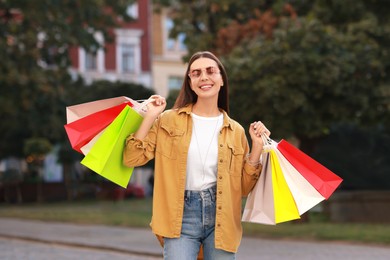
316, 72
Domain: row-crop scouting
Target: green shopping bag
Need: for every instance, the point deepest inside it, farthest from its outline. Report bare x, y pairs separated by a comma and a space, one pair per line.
105, 156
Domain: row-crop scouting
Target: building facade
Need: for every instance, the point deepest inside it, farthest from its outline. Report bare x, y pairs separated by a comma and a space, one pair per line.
142, 52
167, 61
127, 58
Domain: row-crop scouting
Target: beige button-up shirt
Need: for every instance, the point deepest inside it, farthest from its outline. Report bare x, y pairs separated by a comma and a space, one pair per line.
167, 142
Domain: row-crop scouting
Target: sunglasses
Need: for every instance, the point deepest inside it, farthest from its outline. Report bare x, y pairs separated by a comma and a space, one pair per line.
210, 72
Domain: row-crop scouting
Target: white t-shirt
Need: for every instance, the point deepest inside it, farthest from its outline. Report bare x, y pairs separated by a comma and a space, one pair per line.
203, 152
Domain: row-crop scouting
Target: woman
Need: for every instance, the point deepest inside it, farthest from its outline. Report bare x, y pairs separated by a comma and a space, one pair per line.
203, 166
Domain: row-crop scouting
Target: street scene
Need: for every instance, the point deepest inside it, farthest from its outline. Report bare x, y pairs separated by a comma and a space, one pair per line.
23, 239
265, 122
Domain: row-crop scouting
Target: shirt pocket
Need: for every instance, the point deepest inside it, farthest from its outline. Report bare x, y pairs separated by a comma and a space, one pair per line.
236, 158
169, 140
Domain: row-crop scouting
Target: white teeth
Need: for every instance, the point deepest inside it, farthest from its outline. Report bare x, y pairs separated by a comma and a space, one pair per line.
206, 86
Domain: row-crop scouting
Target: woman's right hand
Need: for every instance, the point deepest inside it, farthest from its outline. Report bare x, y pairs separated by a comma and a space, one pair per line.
154, 106
150, 110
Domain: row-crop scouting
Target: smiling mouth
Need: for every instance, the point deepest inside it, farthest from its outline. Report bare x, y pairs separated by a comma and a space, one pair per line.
205, 86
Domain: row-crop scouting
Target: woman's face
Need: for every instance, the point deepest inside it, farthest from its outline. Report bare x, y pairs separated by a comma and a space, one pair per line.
205, 78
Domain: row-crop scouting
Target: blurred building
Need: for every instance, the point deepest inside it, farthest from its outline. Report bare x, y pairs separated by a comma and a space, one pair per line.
141, 52
167, 64
127, 58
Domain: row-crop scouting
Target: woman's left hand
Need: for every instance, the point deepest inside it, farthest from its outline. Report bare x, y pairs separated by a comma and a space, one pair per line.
256, 130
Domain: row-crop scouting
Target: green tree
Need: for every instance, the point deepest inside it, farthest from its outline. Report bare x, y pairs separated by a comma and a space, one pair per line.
303, 65
369, 18
305, 68
363, 164
102, 89
35, 37
307, 77
36, 149
202, 21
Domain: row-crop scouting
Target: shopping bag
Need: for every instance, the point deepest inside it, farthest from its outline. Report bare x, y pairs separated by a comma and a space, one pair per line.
86, 148
259, 205
76, 112
270, 201
305, 195
81, 131
284, 203
319, 176
137, 106
281, 193
105, 156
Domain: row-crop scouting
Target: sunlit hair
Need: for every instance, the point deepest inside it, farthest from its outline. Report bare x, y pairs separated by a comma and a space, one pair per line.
187, 95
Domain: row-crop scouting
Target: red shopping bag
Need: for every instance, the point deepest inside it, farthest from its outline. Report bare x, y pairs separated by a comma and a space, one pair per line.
106, 155
321, 178
81, 131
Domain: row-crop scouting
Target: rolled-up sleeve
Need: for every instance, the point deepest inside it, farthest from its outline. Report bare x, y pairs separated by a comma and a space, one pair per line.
250, 174
138, 152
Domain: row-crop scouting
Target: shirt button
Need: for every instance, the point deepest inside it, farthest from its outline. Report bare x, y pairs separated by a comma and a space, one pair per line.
220, 160
221, 145
220, 177
220, 207
218, 225
220, 192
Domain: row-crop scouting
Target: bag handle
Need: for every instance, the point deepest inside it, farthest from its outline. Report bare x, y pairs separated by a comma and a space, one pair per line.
268, 143
141, 106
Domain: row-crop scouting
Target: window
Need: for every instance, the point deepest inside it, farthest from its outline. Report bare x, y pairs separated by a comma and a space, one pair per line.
128, 51
90, 61
174, 82
174, 44
170, 42
128, 58
181, 38
132, 11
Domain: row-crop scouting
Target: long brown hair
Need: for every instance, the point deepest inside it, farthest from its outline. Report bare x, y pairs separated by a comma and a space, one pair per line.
187, 95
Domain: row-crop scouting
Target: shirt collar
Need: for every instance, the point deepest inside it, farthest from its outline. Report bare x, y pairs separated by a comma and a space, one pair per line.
227, 121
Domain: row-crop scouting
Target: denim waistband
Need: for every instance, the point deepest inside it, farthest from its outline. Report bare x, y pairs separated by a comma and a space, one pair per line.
201, 193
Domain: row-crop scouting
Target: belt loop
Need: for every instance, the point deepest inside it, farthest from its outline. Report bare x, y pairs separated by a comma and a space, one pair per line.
188, 196
212, 193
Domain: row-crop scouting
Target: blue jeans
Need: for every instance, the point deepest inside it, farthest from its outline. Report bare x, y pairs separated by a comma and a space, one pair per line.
197, 229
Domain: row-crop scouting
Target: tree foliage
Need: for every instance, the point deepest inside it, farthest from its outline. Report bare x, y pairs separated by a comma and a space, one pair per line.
102, 89
298, 65
307, 77
307, 69
363, 164
35, 37
202, 21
